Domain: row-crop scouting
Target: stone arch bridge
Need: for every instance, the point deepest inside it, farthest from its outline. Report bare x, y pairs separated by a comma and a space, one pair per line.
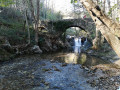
86, 24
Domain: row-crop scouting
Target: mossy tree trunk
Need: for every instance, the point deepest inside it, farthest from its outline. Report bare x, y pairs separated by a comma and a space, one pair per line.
109, 29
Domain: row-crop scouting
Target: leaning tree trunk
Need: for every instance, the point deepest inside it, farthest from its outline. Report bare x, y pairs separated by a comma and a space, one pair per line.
109, 29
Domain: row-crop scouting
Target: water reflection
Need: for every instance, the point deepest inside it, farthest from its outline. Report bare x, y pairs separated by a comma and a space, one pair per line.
71, 58
75, 58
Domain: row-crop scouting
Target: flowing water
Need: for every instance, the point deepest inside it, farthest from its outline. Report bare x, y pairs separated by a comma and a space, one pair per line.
53, 71
77, 45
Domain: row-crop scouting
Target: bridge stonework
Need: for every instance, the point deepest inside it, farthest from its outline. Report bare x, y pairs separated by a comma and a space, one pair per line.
86, 24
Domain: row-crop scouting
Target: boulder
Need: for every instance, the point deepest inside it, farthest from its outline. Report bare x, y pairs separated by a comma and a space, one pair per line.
36, 49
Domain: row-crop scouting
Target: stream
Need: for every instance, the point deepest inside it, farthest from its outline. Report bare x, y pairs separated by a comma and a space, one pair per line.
54, 71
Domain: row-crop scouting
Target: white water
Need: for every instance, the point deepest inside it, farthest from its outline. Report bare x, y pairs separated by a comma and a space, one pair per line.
77, 41
77, 45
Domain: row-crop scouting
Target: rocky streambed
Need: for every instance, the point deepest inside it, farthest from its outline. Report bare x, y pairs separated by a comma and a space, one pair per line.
38, 73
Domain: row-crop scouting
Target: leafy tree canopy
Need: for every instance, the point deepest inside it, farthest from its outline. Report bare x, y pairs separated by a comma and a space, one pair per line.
73, 1
5, 3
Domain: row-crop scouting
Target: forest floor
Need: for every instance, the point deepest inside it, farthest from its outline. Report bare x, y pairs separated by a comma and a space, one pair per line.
36, 73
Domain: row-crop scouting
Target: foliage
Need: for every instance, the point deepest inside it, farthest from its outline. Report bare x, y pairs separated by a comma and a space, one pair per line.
70, 31
5, 3
49, 14
11, 26
14, 36
8, 13
112, 8
117, 19
73, 1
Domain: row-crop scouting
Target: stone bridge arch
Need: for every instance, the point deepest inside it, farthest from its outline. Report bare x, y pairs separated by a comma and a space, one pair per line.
86, 24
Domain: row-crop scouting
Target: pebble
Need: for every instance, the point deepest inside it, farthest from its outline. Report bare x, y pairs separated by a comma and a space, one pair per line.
112, 79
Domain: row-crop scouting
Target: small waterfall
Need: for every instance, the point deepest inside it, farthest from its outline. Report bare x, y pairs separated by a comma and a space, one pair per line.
86, 40
77, 41
77, 45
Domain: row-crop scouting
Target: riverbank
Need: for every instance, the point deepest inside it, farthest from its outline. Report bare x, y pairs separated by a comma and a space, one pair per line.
105, 53
47, 44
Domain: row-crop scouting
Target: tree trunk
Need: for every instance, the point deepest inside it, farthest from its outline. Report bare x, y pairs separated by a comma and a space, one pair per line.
28, 30
35, 21
24, 23
26, 20
109, 29
100, 17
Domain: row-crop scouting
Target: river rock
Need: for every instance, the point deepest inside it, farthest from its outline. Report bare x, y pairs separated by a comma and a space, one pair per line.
36, 49
112, 79
99, 73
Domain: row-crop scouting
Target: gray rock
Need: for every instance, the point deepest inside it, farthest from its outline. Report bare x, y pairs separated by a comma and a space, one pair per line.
36, 49
112, 79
